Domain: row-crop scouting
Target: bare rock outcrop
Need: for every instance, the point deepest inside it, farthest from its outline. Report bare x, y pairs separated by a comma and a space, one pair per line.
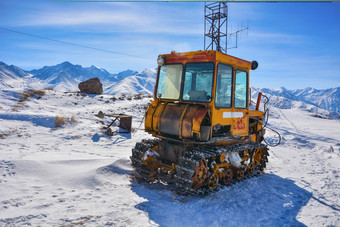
91, 86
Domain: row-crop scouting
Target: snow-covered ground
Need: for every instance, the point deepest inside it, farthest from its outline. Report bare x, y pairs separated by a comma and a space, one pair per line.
74, 175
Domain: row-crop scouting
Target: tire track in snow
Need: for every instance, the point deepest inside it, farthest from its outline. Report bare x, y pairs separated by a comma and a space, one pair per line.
317, 179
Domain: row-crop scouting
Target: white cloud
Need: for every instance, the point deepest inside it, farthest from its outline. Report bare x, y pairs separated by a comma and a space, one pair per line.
88, 17
118, 17
276, 38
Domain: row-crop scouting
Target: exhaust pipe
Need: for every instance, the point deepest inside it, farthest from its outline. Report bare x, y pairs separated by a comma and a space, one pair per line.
259, 96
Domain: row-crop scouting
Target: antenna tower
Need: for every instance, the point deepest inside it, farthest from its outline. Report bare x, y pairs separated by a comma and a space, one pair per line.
216, 27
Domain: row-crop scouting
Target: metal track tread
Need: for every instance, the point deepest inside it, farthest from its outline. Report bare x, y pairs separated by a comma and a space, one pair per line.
191, 161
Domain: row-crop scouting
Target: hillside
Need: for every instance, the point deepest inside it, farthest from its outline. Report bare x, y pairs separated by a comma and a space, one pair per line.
76, 175
11, 76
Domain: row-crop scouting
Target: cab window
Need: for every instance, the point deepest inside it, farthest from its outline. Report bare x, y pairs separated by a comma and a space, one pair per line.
224, 86
169, 81
198, 81
241, 82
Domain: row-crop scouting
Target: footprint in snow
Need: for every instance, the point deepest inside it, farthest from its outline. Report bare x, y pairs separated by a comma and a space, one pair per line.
6, 170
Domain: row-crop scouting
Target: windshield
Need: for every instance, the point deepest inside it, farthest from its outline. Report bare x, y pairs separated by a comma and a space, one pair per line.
198, 82
169, 81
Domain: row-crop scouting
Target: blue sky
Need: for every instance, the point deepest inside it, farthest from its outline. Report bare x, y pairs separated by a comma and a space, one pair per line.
297, 45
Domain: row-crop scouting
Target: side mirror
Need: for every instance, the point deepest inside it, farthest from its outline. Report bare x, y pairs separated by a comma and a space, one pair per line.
254, 65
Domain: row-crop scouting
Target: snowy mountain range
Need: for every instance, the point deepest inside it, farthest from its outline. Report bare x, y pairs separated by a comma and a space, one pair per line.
324, 102
66, 76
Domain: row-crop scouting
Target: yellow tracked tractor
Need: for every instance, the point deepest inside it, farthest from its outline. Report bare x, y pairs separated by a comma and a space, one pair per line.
206, 133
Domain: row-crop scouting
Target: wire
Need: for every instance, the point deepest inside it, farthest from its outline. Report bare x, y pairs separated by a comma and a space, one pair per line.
266, 111
74, 44
141, 122
266, 116
271, 145
139, 125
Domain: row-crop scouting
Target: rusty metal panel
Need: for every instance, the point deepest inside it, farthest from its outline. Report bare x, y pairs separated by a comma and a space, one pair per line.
156, 116
181, 120
240, 126
125, 123
170, 119
197, 120
187, 121
149, 115
196, 56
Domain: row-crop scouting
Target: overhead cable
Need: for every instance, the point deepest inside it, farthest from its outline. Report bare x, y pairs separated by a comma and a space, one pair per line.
74, 44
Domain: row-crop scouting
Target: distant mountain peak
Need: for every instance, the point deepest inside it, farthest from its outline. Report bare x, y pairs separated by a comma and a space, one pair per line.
126, 73
3, 64
97, 67
65, 63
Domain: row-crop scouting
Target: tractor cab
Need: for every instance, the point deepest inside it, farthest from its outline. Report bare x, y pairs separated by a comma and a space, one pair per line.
203, 96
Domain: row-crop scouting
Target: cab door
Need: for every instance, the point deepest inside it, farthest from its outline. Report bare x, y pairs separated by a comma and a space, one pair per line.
223, 112
240, 125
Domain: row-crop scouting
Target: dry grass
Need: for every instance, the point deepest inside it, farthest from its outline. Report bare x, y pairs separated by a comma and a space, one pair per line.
30, 93
10, 132
138, 97
73, 119
81, 221
59, 121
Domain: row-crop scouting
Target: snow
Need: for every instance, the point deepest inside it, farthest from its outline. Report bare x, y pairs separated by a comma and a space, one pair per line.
234, 159
97, 67
150, 154
75, 174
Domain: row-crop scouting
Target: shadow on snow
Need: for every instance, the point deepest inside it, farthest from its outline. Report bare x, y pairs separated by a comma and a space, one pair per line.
267, 200
38, 120
118, 137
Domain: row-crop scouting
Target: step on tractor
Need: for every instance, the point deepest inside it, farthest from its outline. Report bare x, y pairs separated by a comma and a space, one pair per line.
205, 133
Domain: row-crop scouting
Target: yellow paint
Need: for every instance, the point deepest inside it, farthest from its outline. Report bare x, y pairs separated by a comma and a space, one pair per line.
189, 122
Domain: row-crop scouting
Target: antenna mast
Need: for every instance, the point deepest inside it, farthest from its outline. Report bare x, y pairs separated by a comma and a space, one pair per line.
216, 27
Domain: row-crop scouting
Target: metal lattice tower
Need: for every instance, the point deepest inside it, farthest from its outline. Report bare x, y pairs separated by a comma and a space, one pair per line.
215, 26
